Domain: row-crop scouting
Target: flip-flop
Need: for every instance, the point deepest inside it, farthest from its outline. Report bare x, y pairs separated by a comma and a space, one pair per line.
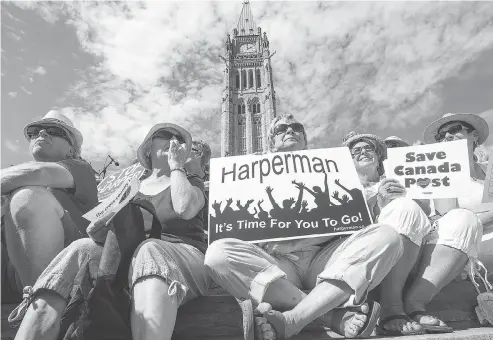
431, 328
390, 332
248, 319
369, 326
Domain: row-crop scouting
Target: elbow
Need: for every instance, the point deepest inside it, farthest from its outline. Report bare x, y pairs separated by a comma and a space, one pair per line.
186, 212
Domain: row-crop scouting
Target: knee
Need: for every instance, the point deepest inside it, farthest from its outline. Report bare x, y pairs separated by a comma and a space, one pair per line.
146, 248
462, 220
84, 248
216, 257
30, 202
389, 240
406, 205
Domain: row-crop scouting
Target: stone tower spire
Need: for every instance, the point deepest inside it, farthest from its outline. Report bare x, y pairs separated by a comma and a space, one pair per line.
246, 23
248, 100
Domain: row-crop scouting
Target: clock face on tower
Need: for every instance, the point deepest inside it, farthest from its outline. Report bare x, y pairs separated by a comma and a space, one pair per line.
247, 48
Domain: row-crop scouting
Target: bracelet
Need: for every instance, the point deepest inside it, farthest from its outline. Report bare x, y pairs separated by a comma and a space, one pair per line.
180, 169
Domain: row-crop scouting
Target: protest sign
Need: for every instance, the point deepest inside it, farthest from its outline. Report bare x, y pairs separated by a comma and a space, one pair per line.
115, 202
113, 180
284, 196
488, 183
430, 171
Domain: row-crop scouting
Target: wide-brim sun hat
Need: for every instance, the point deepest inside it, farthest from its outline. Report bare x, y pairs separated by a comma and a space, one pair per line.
397, 140
352, 137
55, 118
169, 127
478, 123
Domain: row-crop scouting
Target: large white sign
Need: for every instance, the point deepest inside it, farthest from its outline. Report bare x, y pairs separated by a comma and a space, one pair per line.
285, 195
430, 171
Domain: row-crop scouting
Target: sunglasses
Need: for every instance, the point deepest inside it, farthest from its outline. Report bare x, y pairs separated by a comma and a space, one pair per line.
167, 135
359, 150
453, 129
33, 132
282, 128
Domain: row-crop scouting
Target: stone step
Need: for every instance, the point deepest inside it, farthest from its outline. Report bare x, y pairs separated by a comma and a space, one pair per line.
219, 317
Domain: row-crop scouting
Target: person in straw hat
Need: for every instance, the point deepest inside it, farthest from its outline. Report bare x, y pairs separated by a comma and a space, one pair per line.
387, 204
455, 240
46, 200
395, 142
339, 271
164, 274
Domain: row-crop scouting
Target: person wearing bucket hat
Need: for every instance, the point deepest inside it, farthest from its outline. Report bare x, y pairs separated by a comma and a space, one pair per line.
454, 242
387, 204
164, 273
395, 142
47, 198
270, 276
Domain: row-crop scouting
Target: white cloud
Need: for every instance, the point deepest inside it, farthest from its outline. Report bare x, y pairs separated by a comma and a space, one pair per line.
40, 70
338, 66
12, 145
12, 94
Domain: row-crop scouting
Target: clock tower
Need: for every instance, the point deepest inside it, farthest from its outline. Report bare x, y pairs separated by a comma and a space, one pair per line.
248, 99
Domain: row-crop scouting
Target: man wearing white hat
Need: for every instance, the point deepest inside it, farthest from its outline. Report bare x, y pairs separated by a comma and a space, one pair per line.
46, 200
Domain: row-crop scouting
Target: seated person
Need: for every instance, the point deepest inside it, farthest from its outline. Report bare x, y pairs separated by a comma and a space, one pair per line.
437, 253
395, 142
339, 271
165, 273
44, 202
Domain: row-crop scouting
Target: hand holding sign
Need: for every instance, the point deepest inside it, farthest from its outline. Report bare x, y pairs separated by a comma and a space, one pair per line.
97, 230
389, 189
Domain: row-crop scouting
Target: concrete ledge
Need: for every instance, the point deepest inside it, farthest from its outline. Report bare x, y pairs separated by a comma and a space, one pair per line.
218, 316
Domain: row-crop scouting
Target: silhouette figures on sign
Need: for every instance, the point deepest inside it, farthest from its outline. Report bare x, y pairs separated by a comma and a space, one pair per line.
327, 203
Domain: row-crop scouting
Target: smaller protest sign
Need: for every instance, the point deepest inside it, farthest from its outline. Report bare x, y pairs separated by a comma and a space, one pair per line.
286, 195
430, 171
115, 202
113, 180
488, 183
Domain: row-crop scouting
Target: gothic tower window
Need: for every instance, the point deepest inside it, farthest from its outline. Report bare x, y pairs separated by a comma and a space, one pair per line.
257, 76
257, 132
258, 107
250, 78
243, 79
242, 138
237, 79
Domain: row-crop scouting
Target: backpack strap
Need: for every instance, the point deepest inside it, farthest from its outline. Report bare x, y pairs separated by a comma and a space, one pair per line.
156, 225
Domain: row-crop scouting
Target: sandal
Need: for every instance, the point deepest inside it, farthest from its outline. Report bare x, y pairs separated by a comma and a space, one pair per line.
390, 332
431, 328
277, 321
371, 322
248, 319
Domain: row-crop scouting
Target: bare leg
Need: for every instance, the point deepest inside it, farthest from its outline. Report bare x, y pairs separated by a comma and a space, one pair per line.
33, 231
282, 295
42, 319
153, 313
392, 287
438, 266
322, 299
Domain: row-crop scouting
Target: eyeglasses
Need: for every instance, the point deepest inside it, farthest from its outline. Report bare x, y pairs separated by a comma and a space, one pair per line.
167, 135
33, 132
452, 129
282, 128
359, 150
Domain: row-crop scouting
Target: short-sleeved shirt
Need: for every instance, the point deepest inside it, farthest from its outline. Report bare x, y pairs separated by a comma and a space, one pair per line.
83, 197
176, 229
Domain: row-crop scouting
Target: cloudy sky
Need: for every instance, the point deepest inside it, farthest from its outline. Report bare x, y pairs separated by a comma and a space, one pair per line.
119, 68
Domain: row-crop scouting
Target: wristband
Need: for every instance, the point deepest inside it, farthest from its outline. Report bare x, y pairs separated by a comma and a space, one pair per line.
179, 169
